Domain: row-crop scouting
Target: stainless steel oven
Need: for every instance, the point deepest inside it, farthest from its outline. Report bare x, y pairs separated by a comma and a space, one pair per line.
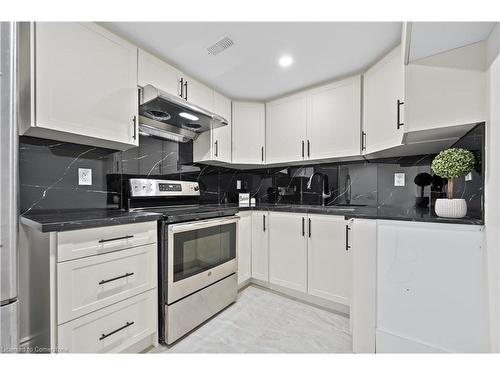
197, 265
199, 254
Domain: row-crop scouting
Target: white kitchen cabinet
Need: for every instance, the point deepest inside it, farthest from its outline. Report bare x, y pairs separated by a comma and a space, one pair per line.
383, 103
363, 242
78, 83
288, 250
441, 96
249, 133
334, 120
197, 93
79, 289
156, 72
329, 258
286, 121
215, 145
431, 288
244, 247
260, 245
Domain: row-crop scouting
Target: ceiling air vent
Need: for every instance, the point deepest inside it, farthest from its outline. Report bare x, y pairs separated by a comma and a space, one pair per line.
220, 46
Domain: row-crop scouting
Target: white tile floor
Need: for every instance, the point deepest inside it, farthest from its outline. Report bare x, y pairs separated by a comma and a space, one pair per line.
264, 322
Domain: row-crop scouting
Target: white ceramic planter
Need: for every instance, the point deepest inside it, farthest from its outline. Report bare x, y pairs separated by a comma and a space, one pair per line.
452, 208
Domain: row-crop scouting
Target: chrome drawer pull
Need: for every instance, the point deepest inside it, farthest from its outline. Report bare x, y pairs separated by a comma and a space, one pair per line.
116, 239
104, 335
116, 278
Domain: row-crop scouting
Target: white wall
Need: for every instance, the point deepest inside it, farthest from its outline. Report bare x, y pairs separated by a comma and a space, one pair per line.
492, 188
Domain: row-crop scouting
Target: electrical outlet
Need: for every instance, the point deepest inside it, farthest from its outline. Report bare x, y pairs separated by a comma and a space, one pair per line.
84, 176
399, 179
468, 177
238, 184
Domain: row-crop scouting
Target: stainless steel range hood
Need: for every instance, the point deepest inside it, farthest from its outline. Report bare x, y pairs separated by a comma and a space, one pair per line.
171, 117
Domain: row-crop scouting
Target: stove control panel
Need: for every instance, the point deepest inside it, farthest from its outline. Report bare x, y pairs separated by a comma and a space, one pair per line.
145, 187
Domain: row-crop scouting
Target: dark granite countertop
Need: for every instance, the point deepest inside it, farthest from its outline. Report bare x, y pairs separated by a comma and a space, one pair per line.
375, 213
58, 221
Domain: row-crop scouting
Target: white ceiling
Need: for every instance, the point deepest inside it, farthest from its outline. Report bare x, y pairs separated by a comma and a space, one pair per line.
429, 38
249, 69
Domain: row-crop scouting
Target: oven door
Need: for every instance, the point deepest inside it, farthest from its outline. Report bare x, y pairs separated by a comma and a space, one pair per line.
199, 254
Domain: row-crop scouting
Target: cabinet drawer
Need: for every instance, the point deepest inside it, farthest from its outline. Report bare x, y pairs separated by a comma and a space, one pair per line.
85, 242
87, 284
112, 329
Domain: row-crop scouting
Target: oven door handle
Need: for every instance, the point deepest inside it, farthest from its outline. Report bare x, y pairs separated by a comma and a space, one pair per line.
185, 227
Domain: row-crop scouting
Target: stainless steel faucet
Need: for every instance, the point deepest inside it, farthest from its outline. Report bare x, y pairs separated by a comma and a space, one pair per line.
325, 193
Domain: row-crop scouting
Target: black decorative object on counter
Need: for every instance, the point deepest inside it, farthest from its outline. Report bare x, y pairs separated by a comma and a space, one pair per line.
422, 180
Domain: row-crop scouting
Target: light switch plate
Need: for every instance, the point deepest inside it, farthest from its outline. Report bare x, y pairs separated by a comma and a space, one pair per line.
468, 177
399, 179
84, 176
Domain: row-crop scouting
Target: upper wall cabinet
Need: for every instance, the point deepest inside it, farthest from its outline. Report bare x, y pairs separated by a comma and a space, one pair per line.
443, 97
156, 72
215, 146
321, 123
286, 121
383, 103
197, 93
249, 133
334, 123
78, 83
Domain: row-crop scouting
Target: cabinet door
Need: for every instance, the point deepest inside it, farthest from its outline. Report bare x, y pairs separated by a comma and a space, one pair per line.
260, 246
334, 126
244, 247
221, 136
153, 71
198, 93
363, 242
249, 133
288, 250
286, 129
86, 82
329, 259
383, 86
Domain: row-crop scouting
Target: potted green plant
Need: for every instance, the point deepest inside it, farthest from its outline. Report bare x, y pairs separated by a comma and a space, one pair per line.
452, 163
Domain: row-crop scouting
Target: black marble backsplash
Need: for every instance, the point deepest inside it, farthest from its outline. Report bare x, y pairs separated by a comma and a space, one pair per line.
49, 177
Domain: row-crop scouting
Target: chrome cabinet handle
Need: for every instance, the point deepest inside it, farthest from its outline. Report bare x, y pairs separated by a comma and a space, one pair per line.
116, 239
303, 226
104, 335
186, 90
264, 222
216, 148
102, 282
363, 141
302, 148
309, 228
262, 153
308, 149
399, 123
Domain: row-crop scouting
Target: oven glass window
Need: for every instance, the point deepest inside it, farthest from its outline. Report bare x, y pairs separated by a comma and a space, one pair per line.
199, 250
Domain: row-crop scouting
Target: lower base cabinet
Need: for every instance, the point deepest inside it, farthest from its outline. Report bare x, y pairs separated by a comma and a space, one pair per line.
288, 250
260, 245
329, 260
310, 253
244, 247
112, 329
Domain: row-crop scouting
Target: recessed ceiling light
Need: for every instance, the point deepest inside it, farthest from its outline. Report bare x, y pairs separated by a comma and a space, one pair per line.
188, 116
285, 61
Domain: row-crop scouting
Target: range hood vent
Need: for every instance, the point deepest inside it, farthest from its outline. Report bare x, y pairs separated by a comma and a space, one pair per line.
171, 117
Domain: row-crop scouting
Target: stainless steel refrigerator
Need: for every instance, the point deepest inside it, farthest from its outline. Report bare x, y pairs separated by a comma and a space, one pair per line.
9, 336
